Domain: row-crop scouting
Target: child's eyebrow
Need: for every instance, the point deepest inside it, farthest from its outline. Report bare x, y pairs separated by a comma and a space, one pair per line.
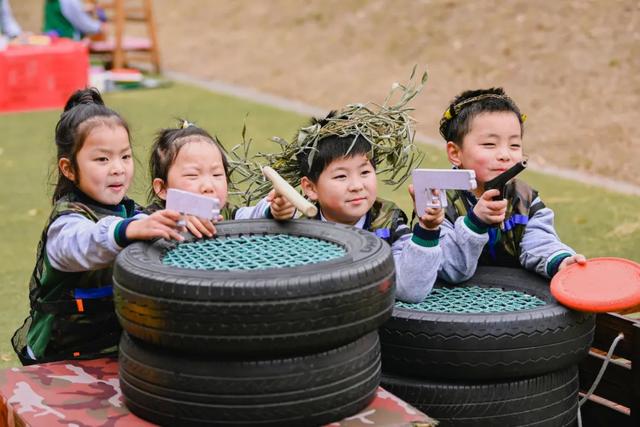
495, 135
338, 168
102, 151
492, 135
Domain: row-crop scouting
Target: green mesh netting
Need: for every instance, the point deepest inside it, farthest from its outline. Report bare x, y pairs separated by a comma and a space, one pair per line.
252, 252
474, 299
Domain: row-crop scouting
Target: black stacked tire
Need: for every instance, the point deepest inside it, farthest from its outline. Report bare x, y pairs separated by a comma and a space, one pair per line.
507, 368
173, 389
271, 311
489, 345
278, 346
547, 400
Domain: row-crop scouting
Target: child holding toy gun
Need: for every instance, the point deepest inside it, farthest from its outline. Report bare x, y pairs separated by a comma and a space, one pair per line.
503, 222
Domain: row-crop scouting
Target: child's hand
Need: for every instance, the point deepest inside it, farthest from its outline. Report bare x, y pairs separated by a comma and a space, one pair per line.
431, 218
162, 223
574, 259
281, 208
490, 211
199, 227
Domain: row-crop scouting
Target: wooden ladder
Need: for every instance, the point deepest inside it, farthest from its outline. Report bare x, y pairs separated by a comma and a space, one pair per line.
121, 13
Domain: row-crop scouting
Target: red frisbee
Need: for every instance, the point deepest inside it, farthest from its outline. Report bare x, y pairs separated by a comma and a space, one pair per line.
600, 285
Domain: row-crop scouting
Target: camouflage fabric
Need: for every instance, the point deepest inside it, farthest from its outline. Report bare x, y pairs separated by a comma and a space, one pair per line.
503, 248
385, 215
86, 393
384, 219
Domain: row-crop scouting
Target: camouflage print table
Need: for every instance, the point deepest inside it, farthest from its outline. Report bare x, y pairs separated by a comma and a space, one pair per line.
87, 394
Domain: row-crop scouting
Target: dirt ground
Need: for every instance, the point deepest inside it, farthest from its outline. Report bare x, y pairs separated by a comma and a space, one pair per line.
572, 66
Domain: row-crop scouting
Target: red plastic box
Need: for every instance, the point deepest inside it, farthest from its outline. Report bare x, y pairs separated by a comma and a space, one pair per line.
40, 77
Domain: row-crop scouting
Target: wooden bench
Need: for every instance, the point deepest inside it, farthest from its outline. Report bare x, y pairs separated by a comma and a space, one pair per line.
616, 400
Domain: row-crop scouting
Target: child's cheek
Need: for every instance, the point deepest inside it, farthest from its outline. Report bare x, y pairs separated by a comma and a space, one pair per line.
482, 168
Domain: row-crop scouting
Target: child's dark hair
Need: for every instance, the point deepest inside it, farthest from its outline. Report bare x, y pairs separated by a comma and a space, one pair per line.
168, 144
330, 148
456, 120
83, 112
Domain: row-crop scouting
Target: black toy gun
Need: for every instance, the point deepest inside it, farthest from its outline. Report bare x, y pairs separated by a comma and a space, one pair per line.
501, 180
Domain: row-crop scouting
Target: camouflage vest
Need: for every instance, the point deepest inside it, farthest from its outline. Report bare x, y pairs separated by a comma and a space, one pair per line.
384, 220
72, 313
503, 248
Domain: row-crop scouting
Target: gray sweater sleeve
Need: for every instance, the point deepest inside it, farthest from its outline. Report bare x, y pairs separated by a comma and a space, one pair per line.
75, 243
540, 244
8, 24
461, 249
416, 267
260, 210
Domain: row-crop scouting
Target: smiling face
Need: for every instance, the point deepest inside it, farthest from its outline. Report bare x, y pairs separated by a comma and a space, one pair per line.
197, 168
493, 145
345, 190
104, 165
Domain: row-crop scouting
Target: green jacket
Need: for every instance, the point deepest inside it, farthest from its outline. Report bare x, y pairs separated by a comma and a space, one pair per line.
54, 20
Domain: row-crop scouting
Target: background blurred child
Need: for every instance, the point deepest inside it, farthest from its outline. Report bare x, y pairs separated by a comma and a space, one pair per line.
9, 27
483, 130
70, 19
92, 220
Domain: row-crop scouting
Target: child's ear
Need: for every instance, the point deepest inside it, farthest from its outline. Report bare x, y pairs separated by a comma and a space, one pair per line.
66, 168
453, 153
309, 188
159, 188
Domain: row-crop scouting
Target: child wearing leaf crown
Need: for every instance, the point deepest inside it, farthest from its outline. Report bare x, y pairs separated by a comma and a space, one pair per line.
188, 158
92, 220
483, 130
334, 160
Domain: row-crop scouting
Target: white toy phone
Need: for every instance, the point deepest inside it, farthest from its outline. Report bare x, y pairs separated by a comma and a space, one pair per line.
192, 204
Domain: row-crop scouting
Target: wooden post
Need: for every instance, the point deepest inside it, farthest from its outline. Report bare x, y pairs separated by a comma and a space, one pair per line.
118, 53
151, 26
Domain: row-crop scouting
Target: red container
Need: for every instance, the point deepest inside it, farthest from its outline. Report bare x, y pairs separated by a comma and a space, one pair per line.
40, 77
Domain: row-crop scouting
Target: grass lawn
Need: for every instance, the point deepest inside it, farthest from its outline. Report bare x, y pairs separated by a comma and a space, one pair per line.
593, 221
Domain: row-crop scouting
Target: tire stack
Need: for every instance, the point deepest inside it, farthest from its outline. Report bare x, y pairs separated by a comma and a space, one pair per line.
246, 345
501, 368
